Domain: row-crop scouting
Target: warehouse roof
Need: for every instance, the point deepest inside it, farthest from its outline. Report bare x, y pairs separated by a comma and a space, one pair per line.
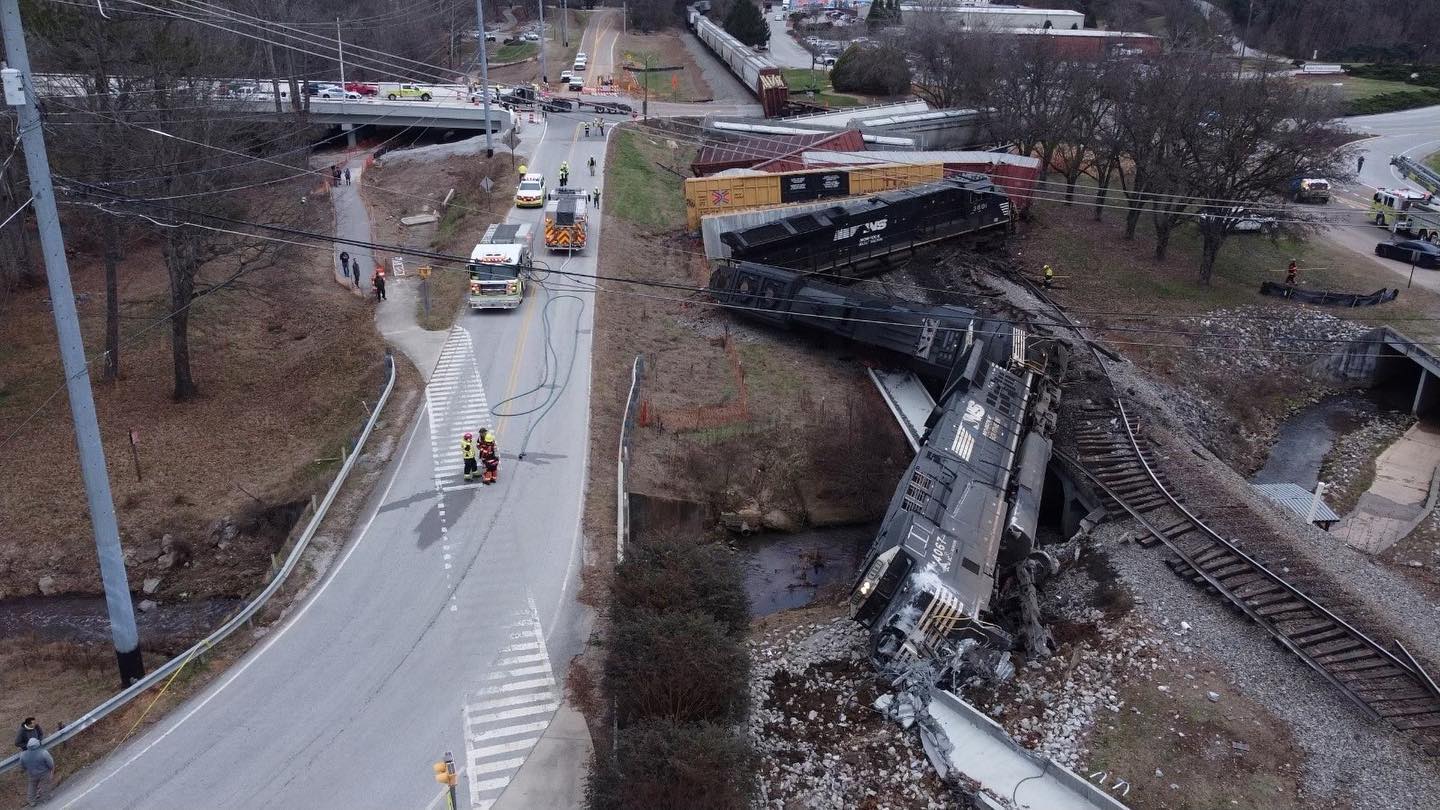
748, 152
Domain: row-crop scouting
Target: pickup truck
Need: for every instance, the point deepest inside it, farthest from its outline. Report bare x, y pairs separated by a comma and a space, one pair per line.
408, 91
362, 88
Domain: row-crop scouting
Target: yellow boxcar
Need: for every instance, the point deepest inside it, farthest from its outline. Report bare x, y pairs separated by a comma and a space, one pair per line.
729, 194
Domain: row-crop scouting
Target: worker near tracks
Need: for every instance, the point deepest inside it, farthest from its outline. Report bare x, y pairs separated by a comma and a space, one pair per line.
1291, 271
468, 452
564, 173
1049, 279
489, 456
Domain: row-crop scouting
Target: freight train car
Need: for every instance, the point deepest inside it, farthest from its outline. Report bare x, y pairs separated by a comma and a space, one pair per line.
854, 234
967, 509
729, 193
758, 73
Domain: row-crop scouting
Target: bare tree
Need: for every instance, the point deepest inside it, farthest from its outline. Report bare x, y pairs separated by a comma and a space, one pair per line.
1256, 135
1031, 100
954, 67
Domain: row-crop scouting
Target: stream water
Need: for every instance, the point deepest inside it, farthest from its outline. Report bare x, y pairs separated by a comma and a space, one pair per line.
784, 571
84, 619
1307, 435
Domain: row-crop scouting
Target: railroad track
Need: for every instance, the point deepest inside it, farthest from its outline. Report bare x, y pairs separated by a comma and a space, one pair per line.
1385, 684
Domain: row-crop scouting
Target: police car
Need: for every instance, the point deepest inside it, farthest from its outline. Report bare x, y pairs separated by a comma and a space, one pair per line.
531, 192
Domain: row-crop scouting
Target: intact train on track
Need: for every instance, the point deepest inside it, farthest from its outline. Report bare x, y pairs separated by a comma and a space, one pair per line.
757, 72
966, 511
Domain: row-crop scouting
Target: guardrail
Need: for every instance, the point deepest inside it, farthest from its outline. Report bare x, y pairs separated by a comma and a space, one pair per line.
622, 480
1419, 172
167, 669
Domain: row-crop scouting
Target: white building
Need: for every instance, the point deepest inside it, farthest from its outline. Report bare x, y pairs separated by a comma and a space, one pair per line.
997, 17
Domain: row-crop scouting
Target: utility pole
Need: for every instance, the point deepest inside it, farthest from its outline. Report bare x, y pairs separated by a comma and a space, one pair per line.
544, 75
340, 45
1243, 43
564, 23
485, 74
19, 93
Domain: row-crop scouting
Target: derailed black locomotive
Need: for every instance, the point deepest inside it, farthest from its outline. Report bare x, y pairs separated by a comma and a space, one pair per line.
967, 509
850, 235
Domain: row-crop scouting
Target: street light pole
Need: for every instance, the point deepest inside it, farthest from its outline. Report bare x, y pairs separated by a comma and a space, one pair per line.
20, 93
484, 75
1243, 42
565, 23
340, 46
544, 75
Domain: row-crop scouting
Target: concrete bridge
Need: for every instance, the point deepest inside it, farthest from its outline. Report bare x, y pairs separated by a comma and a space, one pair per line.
350, 115
1385, 358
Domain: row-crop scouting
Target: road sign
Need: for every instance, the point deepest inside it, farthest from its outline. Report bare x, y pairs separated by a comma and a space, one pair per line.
397, 266
486, 184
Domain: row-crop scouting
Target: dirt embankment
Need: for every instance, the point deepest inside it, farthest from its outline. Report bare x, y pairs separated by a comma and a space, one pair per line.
283, 358
401, 185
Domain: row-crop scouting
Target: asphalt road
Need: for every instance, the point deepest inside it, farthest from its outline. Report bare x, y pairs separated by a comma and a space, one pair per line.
783, 48
1414, 133
447, 620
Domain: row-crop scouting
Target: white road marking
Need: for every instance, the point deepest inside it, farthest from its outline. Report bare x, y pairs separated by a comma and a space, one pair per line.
274, 637
493, 712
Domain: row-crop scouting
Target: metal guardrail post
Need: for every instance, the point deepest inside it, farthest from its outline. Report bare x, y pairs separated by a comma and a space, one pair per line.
246, 613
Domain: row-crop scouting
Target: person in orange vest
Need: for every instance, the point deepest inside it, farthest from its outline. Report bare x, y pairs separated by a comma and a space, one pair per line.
489, 457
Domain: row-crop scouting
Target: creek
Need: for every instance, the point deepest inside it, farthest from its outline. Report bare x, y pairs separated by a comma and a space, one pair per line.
1308, 434
784, 571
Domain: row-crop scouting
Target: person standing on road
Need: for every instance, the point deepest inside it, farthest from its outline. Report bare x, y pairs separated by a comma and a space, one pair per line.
379, 282
467, 454
347, 175
29, 730
597, 198
1359, 163
344, 264
523, 170
39, 768
355, 274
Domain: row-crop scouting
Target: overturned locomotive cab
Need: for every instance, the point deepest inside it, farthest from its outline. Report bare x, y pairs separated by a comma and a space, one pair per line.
968, 506
966, 512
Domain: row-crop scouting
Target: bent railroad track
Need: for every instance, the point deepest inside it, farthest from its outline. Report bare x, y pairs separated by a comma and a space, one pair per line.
1385, 684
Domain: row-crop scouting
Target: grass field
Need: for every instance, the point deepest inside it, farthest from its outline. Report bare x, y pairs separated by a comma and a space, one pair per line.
663, 48
1433, 161
514, 53
637, 188
804, 80
1351, 88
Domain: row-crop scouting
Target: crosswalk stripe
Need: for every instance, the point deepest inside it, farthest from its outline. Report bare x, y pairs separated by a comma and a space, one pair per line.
495, 676
515, 686
504, 748
500, 765
512, 714
510, 731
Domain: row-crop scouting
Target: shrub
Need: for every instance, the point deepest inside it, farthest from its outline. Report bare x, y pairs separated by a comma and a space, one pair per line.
662, 764
680, 666
664, 574
875, 71
747, 24
1392, 102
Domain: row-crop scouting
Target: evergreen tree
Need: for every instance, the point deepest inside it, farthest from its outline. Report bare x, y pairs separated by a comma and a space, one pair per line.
747, 24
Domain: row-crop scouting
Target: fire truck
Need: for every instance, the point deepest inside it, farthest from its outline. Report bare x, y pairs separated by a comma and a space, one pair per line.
566, 222
1406, 212
498, 264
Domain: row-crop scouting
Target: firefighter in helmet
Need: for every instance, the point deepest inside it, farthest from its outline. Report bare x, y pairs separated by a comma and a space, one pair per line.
1049, 277
489, 457
468, 452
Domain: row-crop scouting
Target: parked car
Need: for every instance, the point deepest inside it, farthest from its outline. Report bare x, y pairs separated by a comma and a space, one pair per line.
408, 91
531, 191
491, 36
362, 88
1244, 220
531, 37
1419, 252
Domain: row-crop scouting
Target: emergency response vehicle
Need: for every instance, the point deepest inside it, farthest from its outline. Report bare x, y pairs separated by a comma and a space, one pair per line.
531, 191
566, 219
498, 266
1407, 212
